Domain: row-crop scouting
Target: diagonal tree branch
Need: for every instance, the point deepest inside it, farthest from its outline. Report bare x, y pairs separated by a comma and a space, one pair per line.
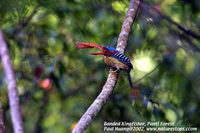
12, 87
146, 75
146, 5
25, 22
103, 97
189, 32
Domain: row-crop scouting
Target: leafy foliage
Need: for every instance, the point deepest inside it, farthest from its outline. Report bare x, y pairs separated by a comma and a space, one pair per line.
45, 48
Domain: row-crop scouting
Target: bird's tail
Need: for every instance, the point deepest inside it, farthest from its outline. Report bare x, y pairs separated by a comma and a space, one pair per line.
129, 78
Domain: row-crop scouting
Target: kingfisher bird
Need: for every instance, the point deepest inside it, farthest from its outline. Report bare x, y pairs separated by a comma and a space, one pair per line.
112, 57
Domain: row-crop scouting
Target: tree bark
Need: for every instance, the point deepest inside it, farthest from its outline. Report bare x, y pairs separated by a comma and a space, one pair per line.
103, 97
2, 125
12, 87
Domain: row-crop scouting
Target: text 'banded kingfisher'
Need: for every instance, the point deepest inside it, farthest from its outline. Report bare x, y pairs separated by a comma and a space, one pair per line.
113, 57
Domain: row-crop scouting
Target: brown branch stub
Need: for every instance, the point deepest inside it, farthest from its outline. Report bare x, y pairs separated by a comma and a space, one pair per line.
12, 87
103, 97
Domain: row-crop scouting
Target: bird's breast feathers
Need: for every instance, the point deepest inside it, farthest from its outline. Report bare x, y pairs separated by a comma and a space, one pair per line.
112, 62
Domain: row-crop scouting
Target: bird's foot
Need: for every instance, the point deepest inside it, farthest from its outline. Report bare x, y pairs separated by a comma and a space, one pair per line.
115, 71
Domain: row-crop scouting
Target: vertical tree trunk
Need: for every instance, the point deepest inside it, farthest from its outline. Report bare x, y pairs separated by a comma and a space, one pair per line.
12, 87
2, 125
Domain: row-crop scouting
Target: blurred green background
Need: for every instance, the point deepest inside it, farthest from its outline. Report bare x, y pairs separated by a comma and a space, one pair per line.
41, 36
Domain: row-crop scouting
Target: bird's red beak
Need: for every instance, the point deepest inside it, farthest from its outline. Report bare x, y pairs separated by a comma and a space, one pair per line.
85, 45
100, 53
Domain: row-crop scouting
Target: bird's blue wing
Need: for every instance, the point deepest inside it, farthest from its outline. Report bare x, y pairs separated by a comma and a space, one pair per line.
122, 58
